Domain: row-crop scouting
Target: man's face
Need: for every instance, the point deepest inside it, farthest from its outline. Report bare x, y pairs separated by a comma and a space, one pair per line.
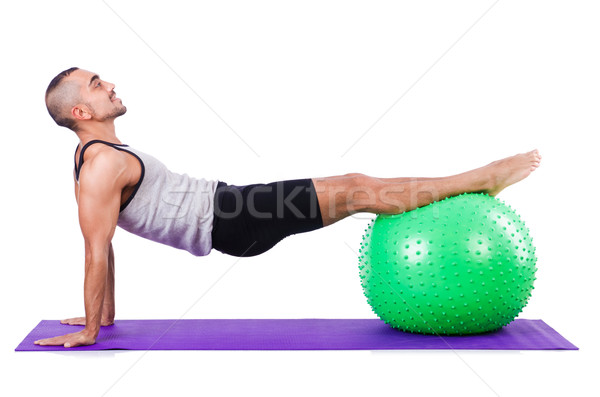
98, 95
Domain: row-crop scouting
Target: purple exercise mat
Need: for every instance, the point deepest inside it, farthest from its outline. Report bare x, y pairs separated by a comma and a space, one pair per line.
292, 334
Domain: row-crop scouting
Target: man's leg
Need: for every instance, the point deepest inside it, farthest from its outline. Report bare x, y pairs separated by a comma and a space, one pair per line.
341, 196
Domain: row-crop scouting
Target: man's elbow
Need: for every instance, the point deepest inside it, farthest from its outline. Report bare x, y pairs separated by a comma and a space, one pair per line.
97, 251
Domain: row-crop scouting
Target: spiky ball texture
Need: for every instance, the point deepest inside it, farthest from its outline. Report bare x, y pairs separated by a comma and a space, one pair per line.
463, 265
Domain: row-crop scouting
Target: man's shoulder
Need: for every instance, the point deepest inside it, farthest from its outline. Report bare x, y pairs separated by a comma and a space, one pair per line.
105, 166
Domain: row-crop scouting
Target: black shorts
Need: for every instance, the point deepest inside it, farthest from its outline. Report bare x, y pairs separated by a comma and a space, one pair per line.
251, 219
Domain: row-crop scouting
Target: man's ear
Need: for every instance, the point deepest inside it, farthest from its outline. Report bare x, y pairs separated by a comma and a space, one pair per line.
81, 112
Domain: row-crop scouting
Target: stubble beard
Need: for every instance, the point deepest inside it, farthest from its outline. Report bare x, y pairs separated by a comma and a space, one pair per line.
118, 111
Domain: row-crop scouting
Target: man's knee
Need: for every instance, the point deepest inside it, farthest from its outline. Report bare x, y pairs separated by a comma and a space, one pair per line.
358, 180
361, 193
364, 182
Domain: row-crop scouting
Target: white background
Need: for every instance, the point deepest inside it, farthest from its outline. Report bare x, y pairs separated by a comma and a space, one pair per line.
259, 91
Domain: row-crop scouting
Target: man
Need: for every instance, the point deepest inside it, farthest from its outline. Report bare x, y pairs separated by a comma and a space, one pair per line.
116, 184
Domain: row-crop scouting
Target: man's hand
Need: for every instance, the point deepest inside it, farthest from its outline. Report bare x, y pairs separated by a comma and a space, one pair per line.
81, 321
81, 338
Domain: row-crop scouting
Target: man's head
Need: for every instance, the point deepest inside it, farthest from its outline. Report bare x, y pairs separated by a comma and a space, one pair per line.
76, 97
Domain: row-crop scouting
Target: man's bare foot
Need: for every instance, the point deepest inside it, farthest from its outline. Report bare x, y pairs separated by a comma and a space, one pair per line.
510, 170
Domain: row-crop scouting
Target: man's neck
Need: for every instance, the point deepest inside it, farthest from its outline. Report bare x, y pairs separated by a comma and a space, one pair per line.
102, 131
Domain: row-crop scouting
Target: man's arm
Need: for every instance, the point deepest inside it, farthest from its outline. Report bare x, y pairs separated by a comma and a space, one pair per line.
101, 182
108, 309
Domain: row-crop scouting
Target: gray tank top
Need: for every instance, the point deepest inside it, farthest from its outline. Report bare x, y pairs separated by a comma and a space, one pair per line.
166, 207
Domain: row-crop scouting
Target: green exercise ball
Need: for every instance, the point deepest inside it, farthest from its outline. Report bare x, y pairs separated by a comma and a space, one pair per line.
462, 265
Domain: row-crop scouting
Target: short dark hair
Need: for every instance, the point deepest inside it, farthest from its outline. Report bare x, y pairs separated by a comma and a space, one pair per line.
56, 107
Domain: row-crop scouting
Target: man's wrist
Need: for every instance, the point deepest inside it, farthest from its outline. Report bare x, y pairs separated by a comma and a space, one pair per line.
108, 317
91, 332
